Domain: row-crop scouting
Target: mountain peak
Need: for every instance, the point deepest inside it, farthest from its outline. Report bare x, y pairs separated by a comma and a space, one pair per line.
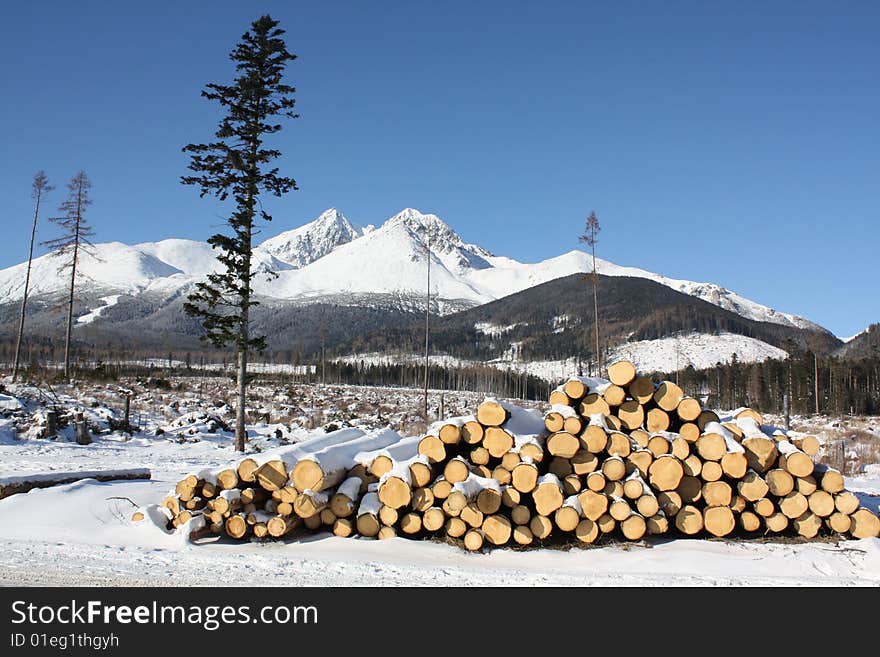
302, 246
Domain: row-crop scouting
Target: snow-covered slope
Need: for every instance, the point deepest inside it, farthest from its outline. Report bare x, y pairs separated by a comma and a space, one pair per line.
302, 246
331, 257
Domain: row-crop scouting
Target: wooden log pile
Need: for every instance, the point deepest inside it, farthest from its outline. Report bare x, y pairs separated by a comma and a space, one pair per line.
625, 457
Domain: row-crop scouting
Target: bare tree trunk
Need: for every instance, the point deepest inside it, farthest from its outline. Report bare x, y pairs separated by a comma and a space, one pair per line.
72, 284
816, 380
27, 280
427, 313
596, 312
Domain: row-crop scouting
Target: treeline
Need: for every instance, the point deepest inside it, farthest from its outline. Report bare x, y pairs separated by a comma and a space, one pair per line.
813, 384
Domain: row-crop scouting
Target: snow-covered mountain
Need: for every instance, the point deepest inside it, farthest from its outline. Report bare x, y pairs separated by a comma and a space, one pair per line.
330, 257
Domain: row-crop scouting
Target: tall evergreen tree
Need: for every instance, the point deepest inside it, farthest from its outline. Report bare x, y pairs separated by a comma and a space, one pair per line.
74, 239
591, 230
238, 165
39, 187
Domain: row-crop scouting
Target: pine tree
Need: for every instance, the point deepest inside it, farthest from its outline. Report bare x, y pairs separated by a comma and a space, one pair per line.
589, 236
39, 187
238, 165
74, 238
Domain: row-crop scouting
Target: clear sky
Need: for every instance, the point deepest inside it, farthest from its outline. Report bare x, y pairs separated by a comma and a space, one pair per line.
731, 142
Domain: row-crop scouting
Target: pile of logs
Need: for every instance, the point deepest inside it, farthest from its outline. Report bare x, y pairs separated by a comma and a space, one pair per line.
624, 457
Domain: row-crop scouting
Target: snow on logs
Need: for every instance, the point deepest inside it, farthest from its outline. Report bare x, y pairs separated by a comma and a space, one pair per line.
623, 456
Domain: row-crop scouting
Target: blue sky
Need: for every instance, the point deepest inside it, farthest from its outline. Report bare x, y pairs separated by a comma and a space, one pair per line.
731, 142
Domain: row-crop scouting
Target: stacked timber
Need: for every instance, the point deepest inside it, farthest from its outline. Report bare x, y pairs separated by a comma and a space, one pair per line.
625, 457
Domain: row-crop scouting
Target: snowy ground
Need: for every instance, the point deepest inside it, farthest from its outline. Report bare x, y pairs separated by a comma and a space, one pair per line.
80, 534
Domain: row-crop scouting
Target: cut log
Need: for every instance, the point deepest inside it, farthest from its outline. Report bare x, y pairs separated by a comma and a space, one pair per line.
554, 421
681, 449
793, 460
386, 532
631, 414
692, 465
749, 413
807, 525
596, 481
411, 523
690, 489
510, 460
761, 450
510, 496
328, 518
634, 527
665, 473
522, 535
846, 502
618, 444
497, 441
809, 445
688, 409
640, 460
706, 417
776, 522
648, 505
657, 524
433, 448
272, 475
308, 503
821, 503
541, 527
717, 493
614, 395
711, 471
689, 520
711, 446
780, 482
563, 444
634, 487
594, 438
395, 492
560, 467
227, 479
455, 527
422, 499
806, 485
473, 540
479, 456
489, 501
749, 521
865, 524
658, 444
584, 462
752, 487
838, 522
246, 469
520, 514
735, 464
497, 529
593, 504
613, 489
343, 527
548, 494
313, 523
718, 520
367, 520
450, 434
472, 432
670, 502
614, 468
830, 480
622, 373
454, 503
594, 404
472, 515
793, 505
388, 516
567, 517
764, 507
559, 398
441, 489
641, 390
690, 432
456, 470
524, 477
236, 526
433, 519
606, 523
532, 451
573, 424
668, 395
490, 413
281, 526
587, 531
619, 509
576, 387
640, 437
